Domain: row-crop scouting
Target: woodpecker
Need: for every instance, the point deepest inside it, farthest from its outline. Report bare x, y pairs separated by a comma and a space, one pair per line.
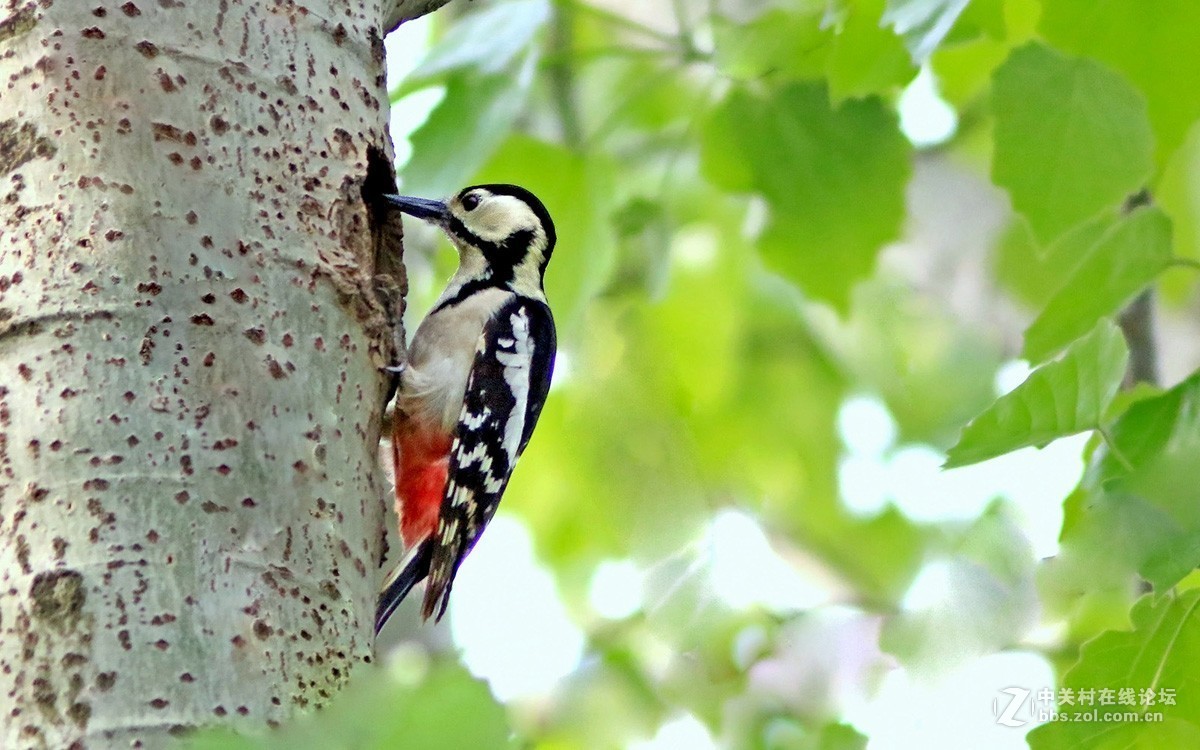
472, 386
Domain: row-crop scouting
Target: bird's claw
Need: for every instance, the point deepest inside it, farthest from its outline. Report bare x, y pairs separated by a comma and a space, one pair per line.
394, 369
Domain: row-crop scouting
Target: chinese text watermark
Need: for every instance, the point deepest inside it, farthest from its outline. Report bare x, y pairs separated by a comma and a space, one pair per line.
1018, 706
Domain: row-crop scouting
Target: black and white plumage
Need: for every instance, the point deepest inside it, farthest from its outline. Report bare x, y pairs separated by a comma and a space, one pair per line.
473, 385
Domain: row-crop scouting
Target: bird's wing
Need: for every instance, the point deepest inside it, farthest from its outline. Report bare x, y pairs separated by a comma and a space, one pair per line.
505, 392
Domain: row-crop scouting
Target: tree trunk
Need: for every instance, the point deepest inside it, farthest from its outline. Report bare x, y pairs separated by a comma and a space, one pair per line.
192, 314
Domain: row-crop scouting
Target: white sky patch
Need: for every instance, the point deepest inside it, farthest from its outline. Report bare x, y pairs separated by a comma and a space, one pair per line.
682, 733
926, 119
1035, 481
405, 47
956, 710
874, 472
863, 485
866, 426
746, 571
694, 248
616, 589
507, 617
562, 369
1010, 375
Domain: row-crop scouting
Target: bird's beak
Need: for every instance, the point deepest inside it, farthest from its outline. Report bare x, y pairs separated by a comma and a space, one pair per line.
422, 208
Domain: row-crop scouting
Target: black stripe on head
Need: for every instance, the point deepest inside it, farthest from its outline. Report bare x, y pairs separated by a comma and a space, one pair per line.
529, 199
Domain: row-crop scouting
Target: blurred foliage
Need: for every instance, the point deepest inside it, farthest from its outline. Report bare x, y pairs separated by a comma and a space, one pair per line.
740, 252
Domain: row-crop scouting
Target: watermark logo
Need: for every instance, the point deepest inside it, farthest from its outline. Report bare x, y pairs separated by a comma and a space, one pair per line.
1129, 704
1006, 711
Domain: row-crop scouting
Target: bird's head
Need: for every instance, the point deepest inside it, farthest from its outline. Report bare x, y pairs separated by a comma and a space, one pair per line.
506, 226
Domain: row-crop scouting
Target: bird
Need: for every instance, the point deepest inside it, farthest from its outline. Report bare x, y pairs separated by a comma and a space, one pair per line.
472, 386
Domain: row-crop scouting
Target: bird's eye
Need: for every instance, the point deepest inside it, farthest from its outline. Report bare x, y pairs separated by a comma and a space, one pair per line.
470, 201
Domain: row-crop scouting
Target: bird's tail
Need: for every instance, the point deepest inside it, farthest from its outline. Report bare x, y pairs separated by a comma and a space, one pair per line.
407, 574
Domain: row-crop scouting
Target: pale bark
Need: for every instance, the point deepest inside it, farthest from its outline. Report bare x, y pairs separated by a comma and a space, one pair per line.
191, 320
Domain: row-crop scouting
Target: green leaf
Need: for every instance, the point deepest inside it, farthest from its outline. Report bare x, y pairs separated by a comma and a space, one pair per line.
988, 599
450, 710
1058, 399
834, 179
1154, 457
1071, 138
1118, 266
783, 42
1178, 193
867, 57
1036, 274
487, 41
463, 131
1160, 653
1152, 43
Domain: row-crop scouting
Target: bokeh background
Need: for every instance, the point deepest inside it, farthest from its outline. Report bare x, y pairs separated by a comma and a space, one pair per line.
789, 272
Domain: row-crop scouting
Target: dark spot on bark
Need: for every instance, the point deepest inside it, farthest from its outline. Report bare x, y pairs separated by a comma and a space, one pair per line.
203, 319
256, 334
74, 660
23, 554
36, 492
186, 677
248, 502
57, 597
165, 132
275, 368
262, 629
238, 641
219, 125
243, 711
100, 12
123, 637
238, 296
192, 218
209, 298
219, 711
209, 359
105, 680
185, 463
98, 485
131, 10
175, 158
100, 73
160, 703
165, 82
162, 644
80, 713
208, 506
182, 497
92, 32
148, 49
113, 235
224, 470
